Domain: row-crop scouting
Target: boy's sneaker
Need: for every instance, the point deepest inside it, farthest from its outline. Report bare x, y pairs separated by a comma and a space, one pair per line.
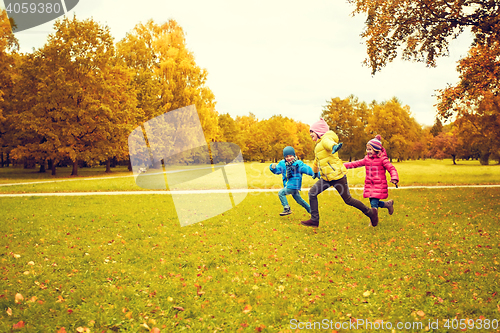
286, 211
390, 206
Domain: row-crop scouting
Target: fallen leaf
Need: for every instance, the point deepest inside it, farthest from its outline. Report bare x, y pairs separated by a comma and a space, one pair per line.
247, 308
366, 293
421, 313
18, 298
62, 330
9, 311
179, 308
155, 330
18, 325
83, 330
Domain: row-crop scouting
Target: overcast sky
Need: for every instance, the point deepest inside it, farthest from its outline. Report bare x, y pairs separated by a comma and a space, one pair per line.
276, 57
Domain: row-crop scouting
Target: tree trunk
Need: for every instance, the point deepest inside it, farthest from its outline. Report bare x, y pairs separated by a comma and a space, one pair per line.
129, 164
75, 168
454, 162
108, 165
1, 160
29, 163
42, 167
485, 159
53, 167
7, 161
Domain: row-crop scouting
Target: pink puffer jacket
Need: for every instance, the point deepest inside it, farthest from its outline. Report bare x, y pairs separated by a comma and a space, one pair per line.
375, 181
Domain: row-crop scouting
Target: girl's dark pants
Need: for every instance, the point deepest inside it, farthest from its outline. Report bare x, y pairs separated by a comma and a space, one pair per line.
341, 186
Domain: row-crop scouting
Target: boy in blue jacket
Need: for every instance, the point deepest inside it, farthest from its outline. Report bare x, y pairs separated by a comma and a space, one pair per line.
291, 170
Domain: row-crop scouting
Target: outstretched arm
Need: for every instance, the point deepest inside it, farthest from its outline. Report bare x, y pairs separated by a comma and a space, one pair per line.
276, 168
355, 164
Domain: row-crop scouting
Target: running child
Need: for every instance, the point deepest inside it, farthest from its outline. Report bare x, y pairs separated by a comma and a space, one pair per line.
376, 163
291, 170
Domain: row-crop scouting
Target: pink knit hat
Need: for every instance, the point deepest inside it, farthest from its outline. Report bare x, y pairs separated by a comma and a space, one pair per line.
320, 127
376, 143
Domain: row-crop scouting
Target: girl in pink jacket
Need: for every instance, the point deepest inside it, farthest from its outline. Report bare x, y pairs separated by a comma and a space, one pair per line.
376, 163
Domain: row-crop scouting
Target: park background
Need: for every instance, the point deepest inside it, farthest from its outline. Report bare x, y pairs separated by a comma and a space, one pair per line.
122, 263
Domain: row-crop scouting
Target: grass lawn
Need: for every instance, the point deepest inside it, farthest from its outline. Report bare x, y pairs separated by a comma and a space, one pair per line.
123, 264
428, 172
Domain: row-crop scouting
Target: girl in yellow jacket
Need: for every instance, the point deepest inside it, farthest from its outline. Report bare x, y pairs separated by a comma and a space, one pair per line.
332, 173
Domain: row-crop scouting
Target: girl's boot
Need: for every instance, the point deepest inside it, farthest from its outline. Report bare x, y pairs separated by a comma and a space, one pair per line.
390, 206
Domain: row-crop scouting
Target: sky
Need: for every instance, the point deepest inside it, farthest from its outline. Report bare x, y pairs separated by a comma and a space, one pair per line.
276, 57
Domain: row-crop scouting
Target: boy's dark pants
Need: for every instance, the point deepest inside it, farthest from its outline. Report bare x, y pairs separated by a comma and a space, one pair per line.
341, 186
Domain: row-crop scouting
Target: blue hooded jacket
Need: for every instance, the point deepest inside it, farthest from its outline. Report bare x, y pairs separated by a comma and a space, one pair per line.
298, 168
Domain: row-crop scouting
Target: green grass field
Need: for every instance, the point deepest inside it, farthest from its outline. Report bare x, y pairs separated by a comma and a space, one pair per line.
123, 264
428, 172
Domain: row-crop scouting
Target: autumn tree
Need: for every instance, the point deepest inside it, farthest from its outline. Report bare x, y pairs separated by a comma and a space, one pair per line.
348, 118
246, 133
437, 127
166, 76
475, 100
258, 137
8, 67
283, 132
422, 29
395, 124
421, 146
306, 145
480, 132
228, 130
82, 107
446, 144
262, 140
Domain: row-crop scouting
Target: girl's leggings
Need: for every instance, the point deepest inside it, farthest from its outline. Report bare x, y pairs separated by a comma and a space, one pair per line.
343, 189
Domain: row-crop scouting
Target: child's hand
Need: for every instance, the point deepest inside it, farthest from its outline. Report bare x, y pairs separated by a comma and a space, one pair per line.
273, 166
395, 182
316, 175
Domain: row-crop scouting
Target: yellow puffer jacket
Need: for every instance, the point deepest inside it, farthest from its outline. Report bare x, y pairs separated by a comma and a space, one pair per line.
330, 166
